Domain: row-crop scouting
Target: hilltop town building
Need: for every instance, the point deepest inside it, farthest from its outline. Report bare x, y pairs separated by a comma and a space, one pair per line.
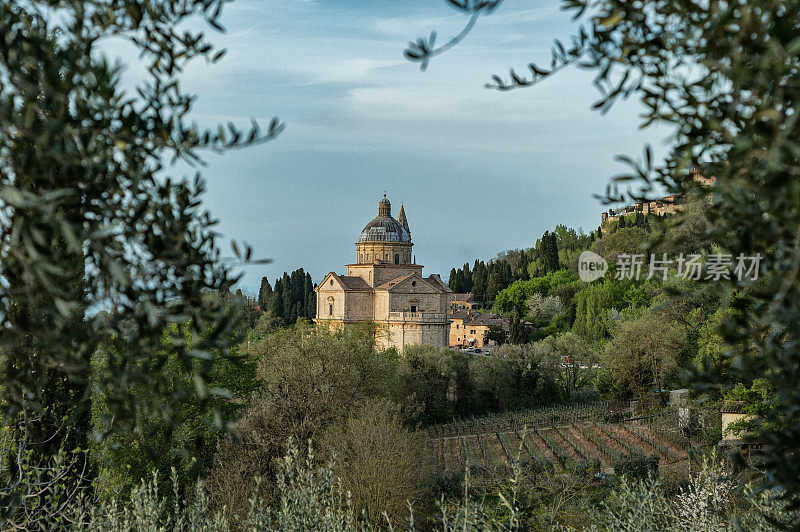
386, 287
666, 205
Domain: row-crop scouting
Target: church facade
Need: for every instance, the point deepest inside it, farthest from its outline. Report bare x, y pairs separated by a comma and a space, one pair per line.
385, 286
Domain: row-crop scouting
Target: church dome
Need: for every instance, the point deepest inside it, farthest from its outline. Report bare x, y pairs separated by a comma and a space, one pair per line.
384, 228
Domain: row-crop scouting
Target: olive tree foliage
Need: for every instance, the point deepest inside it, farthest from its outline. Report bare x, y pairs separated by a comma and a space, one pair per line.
39, 487
90, 217
724, 76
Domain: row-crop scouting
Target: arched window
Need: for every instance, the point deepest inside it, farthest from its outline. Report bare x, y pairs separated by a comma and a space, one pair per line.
396, 258
330, 309
362, 258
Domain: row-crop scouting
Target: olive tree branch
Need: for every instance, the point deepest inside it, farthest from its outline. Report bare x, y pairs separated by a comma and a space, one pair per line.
423, 49
561, 58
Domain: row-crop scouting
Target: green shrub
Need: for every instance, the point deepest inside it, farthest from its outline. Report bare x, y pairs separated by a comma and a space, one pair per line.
636, 466
450, 484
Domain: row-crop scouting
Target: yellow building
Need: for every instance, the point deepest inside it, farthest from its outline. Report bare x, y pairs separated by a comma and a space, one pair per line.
386, 287
462, 302
471, 329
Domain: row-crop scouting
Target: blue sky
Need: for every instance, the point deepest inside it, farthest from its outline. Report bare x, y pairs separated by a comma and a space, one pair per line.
479, 171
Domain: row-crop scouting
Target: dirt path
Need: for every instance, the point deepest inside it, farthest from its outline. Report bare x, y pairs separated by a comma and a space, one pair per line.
608, 442
517, 445
566, 446
497, 449
633, 440
646, 446
473, 450
545, 449
490, 454
677, 451
455, 456
530, 448
589, 445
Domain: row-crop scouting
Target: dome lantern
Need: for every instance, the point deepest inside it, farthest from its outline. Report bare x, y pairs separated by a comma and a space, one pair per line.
384, 207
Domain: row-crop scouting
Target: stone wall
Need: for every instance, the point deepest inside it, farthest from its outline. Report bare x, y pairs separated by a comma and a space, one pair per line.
373, 252
377, 274
359, 306
405, 334
330, 296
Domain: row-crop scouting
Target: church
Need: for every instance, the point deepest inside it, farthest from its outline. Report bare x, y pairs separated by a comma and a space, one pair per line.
386, 287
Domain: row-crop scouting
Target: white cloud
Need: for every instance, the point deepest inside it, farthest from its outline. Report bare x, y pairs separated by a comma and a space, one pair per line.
504, 16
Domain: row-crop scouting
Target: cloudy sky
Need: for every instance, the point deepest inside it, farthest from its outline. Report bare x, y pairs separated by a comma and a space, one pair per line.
479, 171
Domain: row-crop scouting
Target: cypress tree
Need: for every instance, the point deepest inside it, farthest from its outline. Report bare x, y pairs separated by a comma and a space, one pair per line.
479, 280
296, 281
522, 267
554, 262
495, 284
264, 295
308, 288
311, 305
288, 304
278, 300
452, 282
538, 250
507, 273
545, 252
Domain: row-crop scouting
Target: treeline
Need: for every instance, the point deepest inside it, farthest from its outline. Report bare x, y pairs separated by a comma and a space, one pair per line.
291, 298
553, 251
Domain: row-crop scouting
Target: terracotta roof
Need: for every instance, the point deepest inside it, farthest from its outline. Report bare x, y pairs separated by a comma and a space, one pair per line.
347, 282
397, 280
488, 320
467, 298
354, 283
461, 315
436, 281
733, 407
